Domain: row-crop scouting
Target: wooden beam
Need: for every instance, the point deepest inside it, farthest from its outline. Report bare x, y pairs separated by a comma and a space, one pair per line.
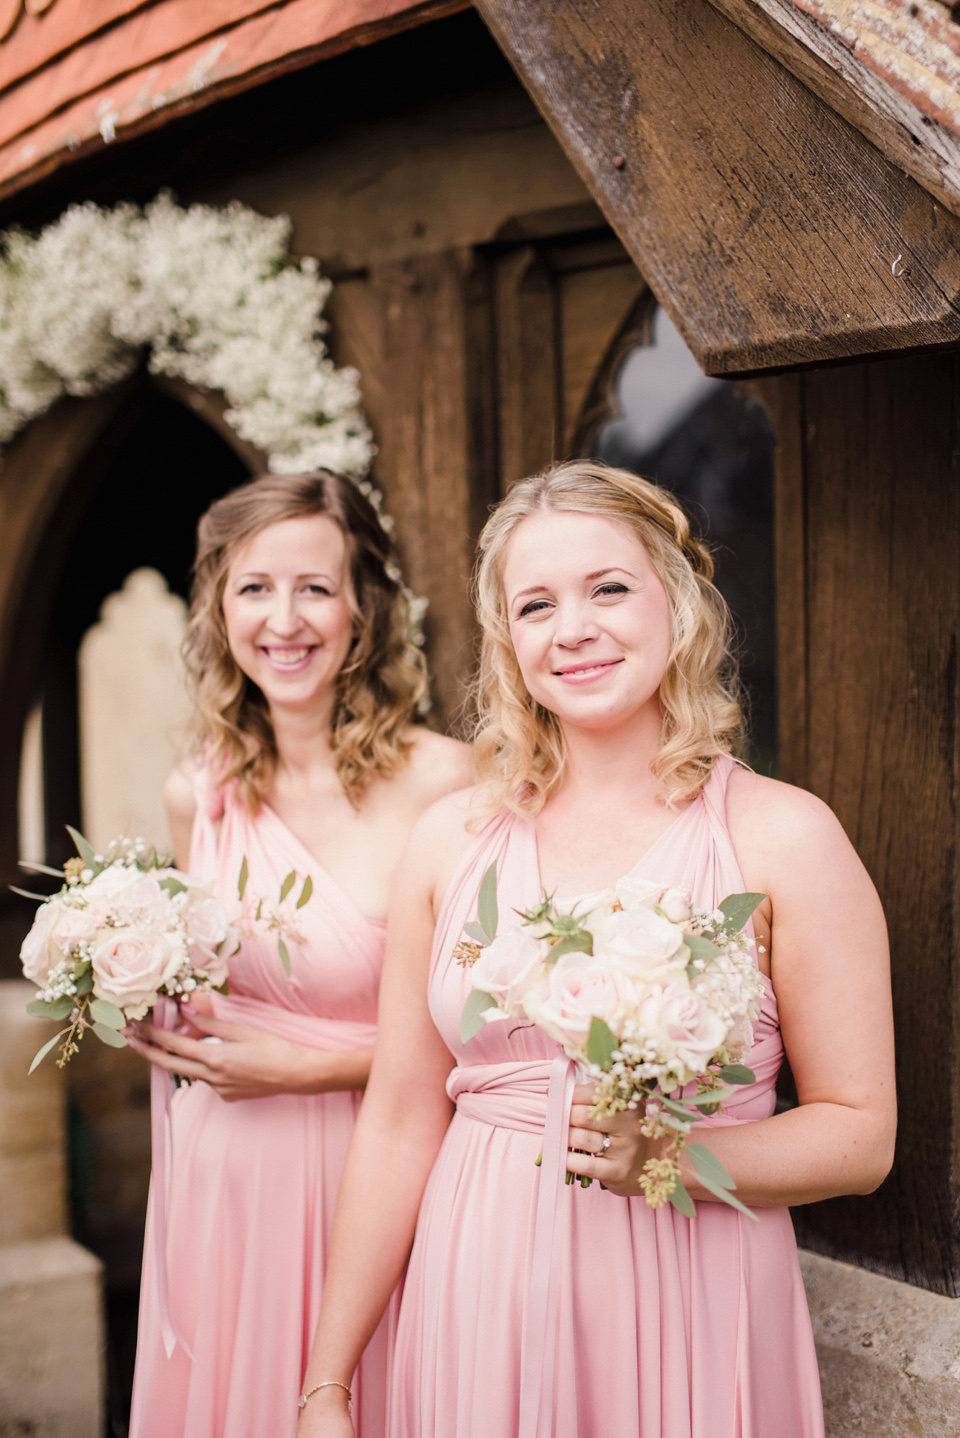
438, 460
773, 233
891, 70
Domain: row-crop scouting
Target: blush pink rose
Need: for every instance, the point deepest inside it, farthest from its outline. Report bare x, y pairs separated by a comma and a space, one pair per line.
39, 952
579, 987
508, 967
130, 966
682, 1026
646, 946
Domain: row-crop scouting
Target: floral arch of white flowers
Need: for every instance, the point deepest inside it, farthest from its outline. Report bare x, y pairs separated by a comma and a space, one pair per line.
211, 296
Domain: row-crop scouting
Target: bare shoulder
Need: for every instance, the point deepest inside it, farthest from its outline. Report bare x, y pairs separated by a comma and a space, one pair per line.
438, 764
780, 831
179, 795
439, 839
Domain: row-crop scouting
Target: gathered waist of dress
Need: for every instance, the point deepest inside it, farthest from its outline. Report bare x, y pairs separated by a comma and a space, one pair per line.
514, 1095
507, 1095
319, 1031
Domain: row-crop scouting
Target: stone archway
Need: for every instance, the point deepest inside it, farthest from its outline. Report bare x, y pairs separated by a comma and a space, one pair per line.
56, 485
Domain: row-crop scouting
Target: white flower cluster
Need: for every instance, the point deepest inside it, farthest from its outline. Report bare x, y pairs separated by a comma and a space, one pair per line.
121, 932
212, 297
215, 298
625, 957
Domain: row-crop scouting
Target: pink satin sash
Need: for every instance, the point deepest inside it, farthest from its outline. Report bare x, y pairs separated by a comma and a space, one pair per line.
534, 1098
312, 1030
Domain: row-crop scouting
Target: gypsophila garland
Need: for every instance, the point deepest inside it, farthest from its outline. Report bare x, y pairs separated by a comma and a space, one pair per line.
209, 295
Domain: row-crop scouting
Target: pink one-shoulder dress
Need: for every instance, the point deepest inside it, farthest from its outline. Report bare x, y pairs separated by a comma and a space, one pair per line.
575, 1313
240, 1238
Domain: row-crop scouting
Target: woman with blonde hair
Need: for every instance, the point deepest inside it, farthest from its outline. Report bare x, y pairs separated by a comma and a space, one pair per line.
608, 714
307, 777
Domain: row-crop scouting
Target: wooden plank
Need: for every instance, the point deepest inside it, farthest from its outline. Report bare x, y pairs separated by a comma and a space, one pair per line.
892, 70
767, 226
528, 364
438, 459
881, 480
598, 323
783, 400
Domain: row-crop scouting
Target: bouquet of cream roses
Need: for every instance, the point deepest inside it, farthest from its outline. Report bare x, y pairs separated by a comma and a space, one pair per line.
124, 929
655, 999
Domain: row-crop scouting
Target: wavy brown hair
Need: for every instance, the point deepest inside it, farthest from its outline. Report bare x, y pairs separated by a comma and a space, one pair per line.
520, 746
383, 680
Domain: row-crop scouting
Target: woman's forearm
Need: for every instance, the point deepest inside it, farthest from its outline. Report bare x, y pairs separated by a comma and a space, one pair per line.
815, 1151
390, 1158
332, 1071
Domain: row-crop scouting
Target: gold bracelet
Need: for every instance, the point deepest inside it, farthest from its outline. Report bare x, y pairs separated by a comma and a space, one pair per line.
327, 1383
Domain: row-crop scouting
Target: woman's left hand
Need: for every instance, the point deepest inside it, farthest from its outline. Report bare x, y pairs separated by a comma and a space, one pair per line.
617, 1163
244, 1063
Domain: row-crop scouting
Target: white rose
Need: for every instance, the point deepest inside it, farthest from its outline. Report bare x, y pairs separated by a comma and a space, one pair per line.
127, 892
645, 945
630, 890
39, 953
682, 1025
508, 967
676, 904
589, 906
579, 987
130, 966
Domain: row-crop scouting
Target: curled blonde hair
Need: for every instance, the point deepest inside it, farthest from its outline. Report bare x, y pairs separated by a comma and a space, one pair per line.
382, 682
520, 748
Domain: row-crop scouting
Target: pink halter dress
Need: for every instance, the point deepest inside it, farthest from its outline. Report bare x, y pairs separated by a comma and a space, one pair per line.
243, 1193
536, 1310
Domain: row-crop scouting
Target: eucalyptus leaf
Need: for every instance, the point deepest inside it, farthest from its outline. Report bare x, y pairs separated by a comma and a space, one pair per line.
682, 1201
109, 1036
737, 1074
33, 868
472, 1020
242, 877
108, 1014
84, 983
475, 932
41, 1054
679, 1110
707, 1164
84, 848
54, 1009
737, 909
711, 1099
284, 956
487, 911
700, 948
601, 1042
726, 1197
173, 886
579, 943
305, 892
288, 884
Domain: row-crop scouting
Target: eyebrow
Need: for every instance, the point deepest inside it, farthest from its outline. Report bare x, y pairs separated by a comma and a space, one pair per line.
265, 574
596, 574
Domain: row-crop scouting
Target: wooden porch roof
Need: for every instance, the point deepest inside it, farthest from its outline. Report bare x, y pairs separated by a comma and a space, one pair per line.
78, 74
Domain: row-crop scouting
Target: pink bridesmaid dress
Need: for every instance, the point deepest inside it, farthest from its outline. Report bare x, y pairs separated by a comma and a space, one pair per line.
536, 1310
236, 1244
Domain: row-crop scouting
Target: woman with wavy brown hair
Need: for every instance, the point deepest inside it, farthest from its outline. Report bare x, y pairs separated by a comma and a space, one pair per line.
307, 776
608, 720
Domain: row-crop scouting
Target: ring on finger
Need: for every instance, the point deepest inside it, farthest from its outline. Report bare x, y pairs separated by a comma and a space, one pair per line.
602, 1150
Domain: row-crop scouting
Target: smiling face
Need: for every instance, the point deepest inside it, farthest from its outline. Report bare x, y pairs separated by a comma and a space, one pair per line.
589, 619
288, 611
